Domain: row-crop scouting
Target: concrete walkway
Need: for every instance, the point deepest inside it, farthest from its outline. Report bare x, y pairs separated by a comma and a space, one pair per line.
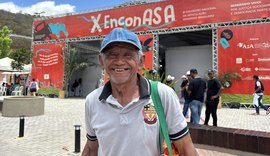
52, 134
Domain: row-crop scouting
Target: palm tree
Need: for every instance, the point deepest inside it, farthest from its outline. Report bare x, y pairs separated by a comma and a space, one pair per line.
73, 62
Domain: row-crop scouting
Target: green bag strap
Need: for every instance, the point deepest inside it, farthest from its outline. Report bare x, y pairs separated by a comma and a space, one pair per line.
161, 116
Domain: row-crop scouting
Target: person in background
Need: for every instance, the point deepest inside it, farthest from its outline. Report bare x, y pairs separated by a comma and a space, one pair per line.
214, 89
120, 116
8, 85
27, 83
152, 74
258, 95
75, 87
169, 81
78, 89
196, 90
33, 87
184, 90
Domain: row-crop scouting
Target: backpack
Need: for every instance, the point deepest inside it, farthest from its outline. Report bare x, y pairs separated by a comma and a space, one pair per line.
262, 87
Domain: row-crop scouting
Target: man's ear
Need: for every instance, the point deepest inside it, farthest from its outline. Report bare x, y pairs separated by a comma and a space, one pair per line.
101, 61
142, 61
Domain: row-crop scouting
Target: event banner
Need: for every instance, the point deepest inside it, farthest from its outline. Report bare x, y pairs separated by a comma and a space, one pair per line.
47, 65
150, 16
245, 50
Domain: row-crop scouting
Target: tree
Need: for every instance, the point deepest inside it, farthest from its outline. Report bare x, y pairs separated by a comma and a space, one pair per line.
5, 41
74, 62
21, 57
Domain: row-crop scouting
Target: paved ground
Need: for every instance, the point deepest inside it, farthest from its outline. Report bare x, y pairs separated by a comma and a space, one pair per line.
52, 134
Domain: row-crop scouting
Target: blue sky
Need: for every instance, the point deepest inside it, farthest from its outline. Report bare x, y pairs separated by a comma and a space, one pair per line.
54, 7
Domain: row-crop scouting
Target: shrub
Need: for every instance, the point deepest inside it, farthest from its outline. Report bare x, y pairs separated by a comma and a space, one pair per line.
48, 91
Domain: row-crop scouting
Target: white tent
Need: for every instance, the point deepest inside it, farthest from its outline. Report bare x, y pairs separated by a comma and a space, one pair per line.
6, 69
5, 66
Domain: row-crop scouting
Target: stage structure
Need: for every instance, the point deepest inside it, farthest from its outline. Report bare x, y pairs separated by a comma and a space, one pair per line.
238, 42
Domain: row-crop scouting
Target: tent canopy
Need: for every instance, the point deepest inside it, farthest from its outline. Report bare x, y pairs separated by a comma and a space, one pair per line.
5, 65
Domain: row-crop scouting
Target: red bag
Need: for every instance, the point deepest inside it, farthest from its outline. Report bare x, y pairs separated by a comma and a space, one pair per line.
166, 151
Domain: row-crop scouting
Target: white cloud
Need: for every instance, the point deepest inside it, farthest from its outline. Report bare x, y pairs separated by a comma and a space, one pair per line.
46, 8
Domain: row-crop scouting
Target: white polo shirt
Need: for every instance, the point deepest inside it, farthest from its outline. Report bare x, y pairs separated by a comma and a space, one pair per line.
134, 129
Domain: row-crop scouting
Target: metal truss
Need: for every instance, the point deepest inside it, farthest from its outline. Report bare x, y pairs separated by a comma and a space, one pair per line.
244, 22
156, 52
177, 29
215, 49
213, 26
85, 47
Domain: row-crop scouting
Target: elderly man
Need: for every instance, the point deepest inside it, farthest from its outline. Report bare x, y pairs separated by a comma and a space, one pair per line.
120, 116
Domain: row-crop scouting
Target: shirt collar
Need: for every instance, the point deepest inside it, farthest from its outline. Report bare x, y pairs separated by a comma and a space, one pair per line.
144, 87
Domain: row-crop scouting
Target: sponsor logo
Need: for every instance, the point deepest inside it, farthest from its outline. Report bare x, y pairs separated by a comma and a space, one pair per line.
254, 39
245, 69
264, 45
245, 46
250, 60
263, 59
149, 114
261, 69
239, 60
263, 77
225, 36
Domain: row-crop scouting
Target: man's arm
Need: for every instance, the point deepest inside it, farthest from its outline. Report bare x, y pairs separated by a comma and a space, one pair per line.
90, 148
185, 146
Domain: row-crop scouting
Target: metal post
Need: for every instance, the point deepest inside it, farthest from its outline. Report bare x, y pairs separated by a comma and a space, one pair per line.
77, 138
21, 128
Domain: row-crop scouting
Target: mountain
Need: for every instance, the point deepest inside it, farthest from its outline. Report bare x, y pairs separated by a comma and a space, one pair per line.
20, 24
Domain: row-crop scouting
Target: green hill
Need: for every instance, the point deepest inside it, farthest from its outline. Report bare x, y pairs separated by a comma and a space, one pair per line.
20, 24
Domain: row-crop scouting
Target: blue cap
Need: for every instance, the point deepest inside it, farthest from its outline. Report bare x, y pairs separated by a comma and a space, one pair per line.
121, 35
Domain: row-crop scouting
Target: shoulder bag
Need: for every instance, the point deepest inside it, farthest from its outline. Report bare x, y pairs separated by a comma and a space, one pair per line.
169, 149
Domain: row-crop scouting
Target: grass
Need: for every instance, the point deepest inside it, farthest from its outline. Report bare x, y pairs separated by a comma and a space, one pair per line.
47, 91
242, 98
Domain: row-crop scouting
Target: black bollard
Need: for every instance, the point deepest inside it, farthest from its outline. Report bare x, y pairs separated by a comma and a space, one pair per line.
77, 138
21, 128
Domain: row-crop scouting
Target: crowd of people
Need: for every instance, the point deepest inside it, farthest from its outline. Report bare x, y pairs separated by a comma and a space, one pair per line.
29, 88
10, 87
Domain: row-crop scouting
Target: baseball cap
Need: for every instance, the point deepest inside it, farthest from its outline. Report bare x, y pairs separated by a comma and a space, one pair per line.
210, 71
183, 77
170, 78
121, 35
193, 70
188, 73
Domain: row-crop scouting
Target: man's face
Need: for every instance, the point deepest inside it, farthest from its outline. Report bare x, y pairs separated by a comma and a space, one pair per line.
122, 62
189, 77
210, 75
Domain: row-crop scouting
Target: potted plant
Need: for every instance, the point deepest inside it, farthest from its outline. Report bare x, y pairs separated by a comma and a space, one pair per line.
227, 78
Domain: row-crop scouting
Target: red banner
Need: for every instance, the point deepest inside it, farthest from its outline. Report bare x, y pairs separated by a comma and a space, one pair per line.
245, 50
151, 16
48, 66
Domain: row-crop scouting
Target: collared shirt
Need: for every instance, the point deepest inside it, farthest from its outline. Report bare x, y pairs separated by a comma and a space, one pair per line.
133, 129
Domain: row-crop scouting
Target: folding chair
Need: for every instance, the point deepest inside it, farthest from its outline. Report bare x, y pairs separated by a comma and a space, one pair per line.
3, 91
18, 91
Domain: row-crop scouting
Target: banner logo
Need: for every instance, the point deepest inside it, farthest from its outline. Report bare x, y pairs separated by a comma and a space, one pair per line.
151, 19
225, 36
